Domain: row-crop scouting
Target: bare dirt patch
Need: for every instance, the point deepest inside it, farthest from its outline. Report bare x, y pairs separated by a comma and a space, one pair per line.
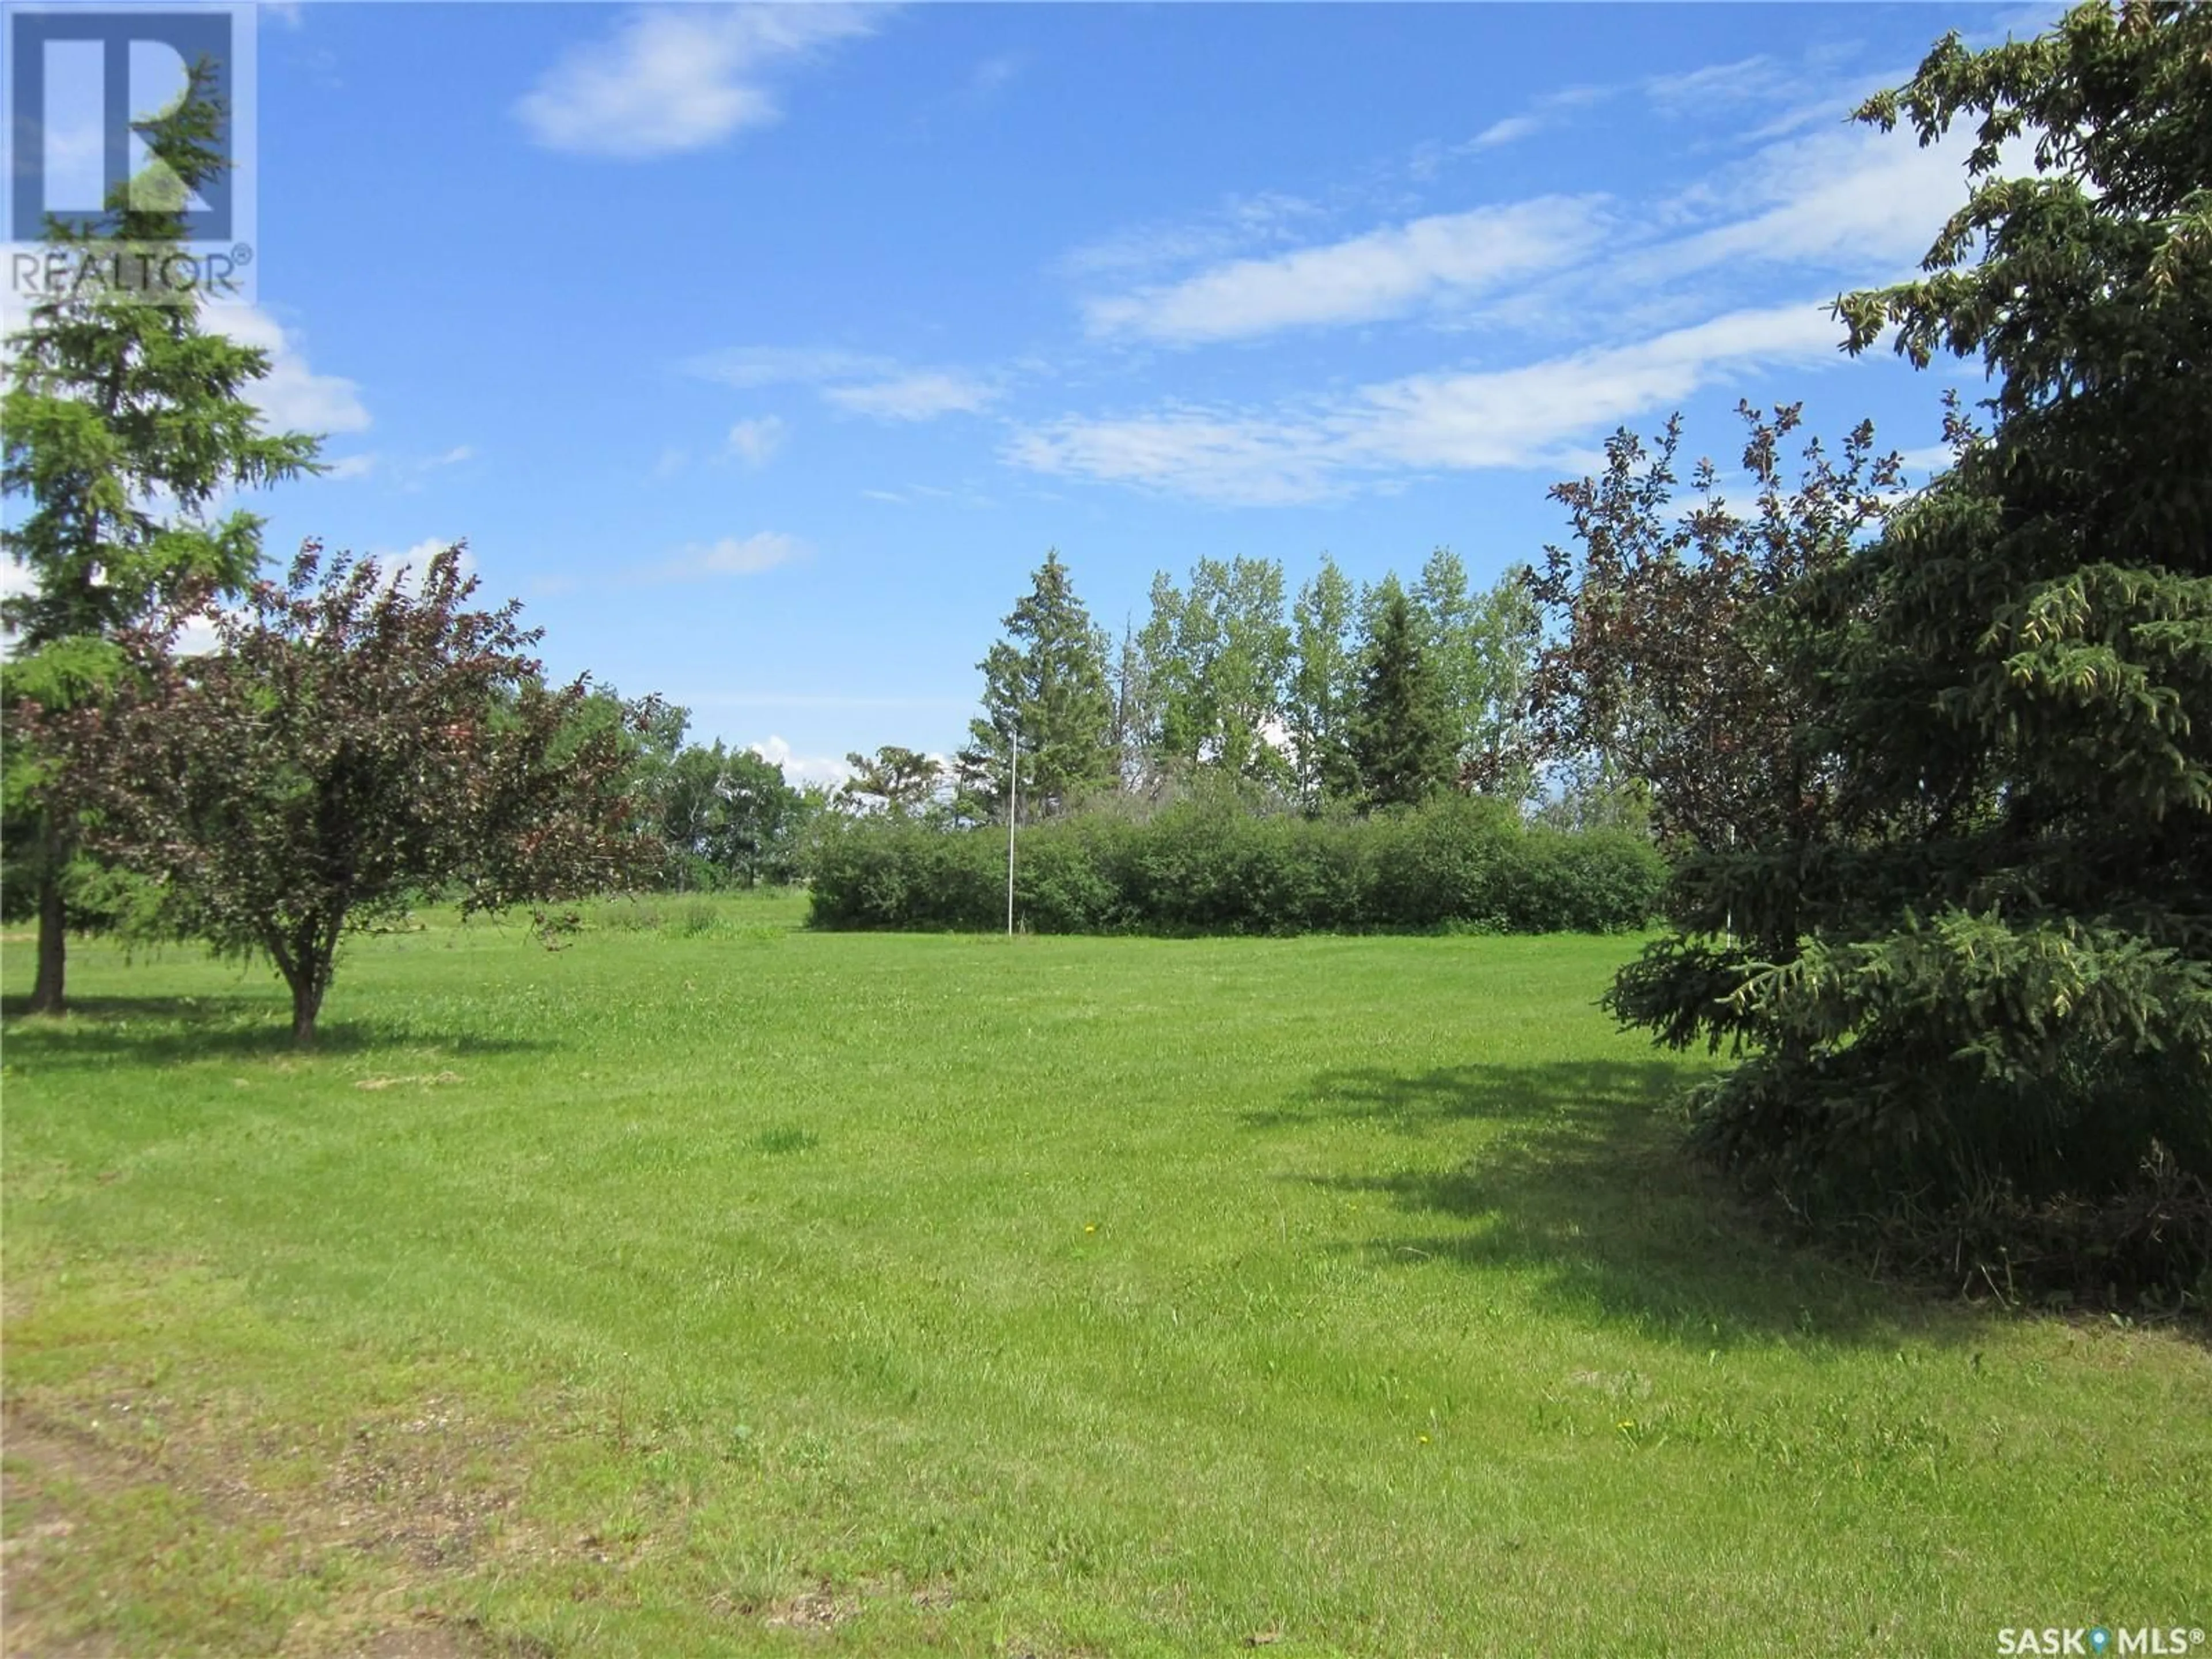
392, 1519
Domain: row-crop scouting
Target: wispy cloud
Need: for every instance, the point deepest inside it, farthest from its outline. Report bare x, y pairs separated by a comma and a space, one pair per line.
755, 443
859, 383
746, 367
1382, 274
1330, 446
916, 397
1854, 193
732, 557
1545, 111
992, 73
967, 495
1505, 132
1240, 223
407, 472
1745, 80
676, 78
1591, 311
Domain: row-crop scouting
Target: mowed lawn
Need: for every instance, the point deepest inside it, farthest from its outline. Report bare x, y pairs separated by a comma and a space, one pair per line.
754, 1291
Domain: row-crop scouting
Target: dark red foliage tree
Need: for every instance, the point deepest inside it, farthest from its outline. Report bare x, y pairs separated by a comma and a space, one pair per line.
1669, 663
353, 745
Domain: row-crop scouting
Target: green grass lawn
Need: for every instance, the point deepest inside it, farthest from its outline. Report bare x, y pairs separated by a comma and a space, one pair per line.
752, 1291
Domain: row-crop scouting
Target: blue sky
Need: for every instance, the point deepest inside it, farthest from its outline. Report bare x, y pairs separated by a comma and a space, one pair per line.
763, 352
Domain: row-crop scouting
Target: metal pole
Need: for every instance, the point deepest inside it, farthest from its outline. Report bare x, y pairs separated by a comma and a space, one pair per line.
1013, 810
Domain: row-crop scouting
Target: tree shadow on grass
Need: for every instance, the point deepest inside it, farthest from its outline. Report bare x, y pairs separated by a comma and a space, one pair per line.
100, 1032
1573, 1176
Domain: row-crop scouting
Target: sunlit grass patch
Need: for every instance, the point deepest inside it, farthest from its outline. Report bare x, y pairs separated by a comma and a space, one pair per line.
721, 1293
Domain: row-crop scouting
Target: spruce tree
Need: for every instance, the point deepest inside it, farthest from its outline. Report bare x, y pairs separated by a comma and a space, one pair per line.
1046, 681
126, 421
1401, 725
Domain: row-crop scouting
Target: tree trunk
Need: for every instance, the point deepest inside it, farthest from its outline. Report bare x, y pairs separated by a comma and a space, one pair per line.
307, 1003
53, 940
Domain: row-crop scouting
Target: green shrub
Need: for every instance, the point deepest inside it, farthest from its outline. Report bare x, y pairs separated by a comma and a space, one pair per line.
627, 914
693, 917
1212, 867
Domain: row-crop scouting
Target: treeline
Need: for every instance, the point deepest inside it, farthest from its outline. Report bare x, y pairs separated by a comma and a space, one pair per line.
1245, 761
1340, 697
1217, 865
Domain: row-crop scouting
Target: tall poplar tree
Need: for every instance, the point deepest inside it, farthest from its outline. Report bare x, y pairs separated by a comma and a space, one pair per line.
1216, 661
1484, 647
1323, 669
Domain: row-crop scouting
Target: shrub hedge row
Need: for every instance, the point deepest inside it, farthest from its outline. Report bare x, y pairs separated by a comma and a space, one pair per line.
1201, 868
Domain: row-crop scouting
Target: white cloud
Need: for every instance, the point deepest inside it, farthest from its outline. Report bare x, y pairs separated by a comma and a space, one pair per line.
1516, 417
407, 472
1542, 113
801, 769
1928, 458
292, 397
855, 381
755, 443
1850, 205
1698, 90
1232, 458
916, 397
197, 638
677, 78
1865, 196
1381, 273
405, 568
1504, 131
1237, 225
733, 557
